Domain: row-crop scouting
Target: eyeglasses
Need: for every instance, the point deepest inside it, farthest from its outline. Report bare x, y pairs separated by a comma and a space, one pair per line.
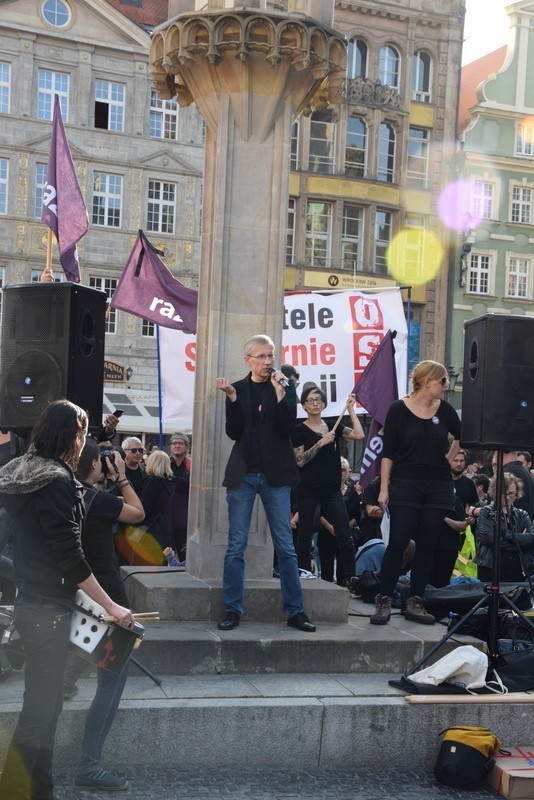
268, 357
136, 449
178, 441
444, 381
511, 494
314, 401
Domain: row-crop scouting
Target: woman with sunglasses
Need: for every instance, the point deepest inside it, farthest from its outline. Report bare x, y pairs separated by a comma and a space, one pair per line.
517, 534
316, 447
416, 487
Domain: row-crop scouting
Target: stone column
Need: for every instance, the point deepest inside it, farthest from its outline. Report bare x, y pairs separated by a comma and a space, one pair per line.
250, 72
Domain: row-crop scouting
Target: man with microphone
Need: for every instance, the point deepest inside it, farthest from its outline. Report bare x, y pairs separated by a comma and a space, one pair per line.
260, 421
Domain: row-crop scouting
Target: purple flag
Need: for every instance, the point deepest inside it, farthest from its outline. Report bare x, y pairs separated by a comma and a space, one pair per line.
375, 391
64, 210
148, 289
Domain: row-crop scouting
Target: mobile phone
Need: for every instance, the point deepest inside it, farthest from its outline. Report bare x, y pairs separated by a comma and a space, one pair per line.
118, 412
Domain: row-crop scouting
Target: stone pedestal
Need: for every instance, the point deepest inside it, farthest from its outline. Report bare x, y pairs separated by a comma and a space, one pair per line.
250, 71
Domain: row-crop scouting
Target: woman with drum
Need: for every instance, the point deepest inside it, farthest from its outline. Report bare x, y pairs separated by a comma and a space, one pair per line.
40, 491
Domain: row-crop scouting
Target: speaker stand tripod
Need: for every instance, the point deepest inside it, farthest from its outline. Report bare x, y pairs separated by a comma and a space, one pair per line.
494, 594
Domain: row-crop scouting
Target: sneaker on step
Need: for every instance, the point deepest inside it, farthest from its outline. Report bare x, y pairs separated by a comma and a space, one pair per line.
416, 612
382, 613
100, 781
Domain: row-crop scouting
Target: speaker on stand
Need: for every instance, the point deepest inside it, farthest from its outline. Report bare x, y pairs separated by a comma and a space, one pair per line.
498, 383
52, 346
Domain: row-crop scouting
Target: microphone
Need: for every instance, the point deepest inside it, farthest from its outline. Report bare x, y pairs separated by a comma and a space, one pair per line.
283, 381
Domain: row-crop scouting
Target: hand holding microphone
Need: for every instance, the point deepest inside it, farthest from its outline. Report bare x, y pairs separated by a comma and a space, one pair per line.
283, 381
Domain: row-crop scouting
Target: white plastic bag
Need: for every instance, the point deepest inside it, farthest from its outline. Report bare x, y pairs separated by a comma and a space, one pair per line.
465, 667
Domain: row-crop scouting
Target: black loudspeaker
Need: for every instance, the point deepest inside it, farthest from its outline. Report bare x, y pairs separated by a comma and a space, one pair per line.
498, 383
52, 346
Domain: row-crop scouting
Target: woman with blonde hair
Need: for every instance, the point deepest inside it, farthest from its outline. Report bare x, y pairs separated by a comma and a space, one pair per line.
156, 496
416, 487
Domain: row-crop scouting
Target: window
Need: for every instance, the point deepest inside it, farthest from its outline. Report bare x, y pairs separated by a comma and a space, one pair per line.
148, 328
386, 153
355, 147
422, 77
5, 87
383, 222
294, 154
161, 206
290, 238
482, 200
36, 276
415, 259
51, 83
479, 274
40, 183
522, 205
107, 285
4, 171
351, 237
356, 59
518, 278
107, 198
524, 144
322, 142
318, 234
109, 106
56, 13
163, 120
388, 66
417, 168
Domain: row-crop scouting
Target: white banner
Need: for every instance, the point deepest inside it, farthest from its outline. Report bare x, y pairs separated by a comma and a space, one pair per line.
329, 339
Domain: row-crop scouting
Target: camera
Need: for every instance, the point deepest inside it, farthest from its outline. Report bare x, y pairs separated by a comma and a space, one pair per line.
108, 452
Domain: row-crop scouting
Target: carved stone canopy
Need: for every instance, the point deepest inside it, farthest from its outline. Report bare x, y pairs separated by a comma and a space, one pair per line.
264, 57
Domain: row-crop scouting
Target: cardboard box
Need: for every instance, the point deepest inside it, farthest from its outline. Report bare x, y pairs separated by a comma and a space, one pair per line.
513, 775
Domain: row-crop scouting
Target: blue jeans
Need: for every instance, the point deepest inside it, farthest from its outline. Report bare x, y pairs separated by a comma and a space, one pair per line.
100, 716
44, 628
276, 502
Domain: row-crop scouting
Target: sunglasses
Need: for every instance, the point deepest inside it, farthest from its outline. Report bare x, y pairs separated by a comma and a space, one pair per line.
444, 381
136, 449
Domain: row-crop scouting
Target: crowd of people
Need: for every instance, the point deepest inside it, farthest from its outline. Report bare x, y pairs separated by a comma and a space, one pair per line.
74, 508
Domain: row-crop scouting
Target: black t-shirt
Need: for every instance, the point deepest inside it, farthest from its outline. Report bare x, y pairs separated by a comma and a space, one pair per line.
417, 446
98, 544
323, 472
466, 491
136, 477
257, 399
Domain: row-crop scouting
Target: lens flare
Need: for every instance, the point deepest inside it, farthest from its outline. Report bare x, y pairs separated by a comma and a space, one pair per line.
414, 256
139, 548
456, 206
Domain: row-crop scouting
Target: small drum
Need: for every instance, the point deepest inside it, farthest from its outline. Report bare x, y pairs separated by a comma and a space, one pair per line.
107, 645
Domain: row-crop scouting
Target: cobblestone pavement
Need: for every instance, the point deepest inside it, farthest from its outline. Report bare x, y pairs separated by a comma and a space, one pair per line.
275, 784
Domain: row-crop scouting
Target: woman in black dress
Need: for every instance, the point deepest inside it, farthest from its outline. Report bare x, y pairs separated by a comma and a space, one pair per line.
316, 447
416, 486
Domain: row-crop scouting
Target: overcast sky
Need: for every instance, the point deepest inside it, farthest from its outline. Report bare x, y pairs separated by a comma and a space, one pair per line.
486, 28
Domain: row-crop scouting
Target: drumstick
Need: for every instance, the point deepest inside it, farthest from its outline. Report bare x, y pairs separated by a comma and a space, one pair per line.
143, 615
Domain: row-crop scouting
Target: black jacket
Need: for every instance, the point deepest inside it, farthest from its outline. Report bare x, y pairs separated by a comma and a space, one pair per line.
44, 498
277, 421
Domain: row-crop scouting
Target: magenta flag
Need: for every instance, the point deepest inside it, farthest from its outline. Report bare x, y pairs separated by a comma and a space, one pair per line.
148, 289
375, 391
64, 210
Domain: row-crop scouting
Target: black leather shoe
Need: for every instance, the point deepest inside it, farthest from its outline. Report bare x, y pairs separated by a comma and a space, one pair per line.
301, 622
230, 621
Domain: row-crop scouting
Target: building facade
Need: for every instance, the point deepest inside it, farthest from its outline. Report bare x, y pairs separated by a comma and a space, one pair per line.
139, 162
494, 266
361, 172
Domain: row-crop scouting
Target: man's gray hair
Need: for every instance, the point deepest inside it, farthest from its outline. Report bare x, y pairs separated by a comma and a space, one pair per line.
258, 338
129, 441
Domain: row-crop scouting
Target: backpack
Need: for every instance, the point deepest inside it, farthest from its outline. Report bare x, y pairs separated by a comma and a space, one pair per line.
464, 758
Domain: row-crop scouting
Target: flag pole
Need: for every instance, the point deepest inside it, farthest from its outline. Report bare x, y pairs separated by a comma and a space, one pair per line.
160, 409
47, 274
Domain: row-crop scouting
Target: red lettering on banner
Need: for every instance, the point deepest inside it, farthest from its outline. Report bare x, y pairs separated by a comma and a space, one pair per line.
191, 353
309, 354
368, 331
